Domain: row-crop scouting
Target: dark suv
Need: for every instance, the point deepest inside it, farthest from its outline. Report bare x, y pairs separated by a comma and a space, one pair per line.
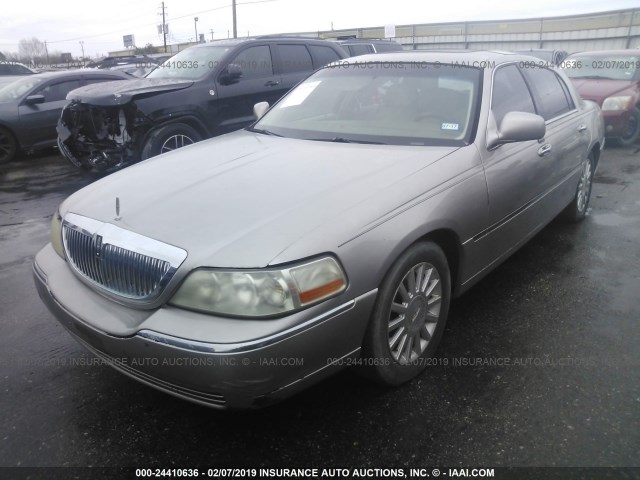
203, 91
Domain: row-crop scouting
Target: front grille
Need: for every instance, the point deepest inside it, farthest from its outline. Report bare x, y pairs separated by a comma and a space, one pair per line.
119, 270
123, 263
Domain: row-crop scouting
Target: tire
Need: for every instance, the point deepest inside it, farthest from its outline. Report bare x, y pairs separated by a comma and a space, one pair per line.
633, 130
8, 146
404, 314
169, 138
577, 209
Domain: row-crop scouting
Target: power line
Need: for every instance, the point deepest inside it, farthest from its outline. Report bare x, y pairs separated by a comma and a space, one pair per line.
154, 23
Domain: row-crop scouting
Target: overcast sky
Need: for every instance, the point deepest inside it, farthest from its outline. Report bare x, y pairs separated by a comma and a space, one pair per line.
101, 24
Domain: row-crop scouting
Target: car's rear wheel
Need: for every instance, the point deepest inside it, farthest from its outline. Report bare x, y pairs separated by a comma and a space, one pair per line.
409, 316
8, 146
632, 131
168, 138
577, 209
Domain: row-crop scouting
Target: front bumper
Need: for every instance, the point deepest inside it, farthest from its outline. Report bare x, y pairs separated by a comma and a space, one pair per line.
249, 373
616, 122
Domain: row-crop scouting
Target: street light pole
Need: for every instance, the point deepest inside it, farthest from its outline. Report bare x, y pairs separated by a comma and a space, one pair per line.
195, 25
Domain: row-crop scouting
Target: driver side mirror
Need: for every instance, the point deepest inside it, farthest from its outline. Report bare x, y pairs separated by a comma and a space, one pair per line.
516, 127
34, 99
231, 74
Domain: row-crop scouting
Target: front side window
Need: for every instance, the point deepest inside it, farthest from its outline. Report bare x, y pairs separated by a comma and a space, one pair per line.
58, 91
254, 62
191, 64
510, 93
549, 92
90, 81
14, 90
392, 103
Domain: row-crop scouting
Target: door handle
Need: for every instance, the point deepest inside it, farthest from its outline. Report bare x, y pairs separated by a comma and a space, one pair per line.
544, 150
582, 128
271, 83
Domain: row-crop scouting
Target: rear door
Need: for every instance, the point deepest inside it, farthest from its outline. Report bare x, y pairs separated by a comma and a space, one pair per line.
294, 62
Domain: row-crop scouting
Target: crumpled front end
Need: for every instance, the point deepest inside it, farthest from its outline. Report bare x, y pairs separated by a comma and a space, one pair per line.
101, 137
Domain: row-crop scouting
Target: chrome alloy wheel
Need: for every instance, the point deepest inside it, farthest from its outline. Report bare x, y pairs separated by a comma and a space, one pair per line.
584, 187
414, 314
174, 142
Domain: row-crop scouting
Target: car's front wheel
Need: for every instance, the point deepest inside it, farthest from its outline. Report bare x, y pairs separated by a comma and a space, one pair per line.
8, 146
409, 316
632, 131
168, 138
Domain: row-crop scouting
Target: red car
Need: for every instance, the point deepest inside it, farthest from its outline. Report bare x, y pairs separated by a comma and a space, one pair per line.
611, 78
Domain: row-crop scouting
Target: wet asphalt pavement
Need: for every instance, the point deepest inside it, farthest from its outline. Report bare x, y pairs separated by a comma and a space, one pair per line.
539, 364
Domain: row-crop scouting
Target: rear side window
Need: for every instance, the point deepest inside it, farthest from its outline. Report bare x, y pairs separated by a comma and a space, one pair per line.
295, 58
550, 92
510, 93
323, 55
255, 62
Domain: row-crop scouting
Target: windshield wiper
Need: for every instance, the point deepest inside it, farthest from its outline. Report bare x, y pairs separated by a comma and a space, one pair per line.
344, 140
263, 131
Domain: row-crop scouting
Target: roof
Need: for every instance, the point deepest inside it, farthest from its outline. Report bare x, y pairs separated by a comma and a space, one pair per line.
270, 38
470, 57
83, 71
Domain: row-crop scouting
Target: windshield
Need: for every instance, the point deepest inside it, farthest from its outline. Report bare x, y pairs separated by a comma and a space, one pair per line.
392, 103
614, 67
190, 64
16, 89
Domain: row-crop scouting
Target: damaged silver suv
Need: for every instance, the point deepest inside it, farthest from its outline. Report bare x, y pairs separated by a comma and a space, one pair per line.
201, 92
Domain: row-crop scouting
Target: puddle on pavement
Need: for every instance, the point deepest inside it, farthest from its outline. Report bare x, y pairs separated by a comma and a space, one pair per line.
611, 219
609, 180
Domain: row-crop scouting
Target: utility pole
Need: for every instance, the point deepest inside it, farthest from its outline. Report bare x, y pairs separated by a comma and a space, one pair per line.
235, 25
82, 45
47, 52
164, 29
195, 25
211, 30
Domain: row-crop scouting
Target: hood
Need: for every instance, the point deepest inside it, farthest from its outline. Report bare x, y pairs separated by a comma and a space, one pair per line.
599, 89
241, 199
123, 91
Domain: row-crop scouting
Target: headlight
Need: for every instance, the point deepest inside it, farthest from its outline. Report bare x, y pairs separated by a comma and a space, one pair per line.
616, 103
260, 293
56, 234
